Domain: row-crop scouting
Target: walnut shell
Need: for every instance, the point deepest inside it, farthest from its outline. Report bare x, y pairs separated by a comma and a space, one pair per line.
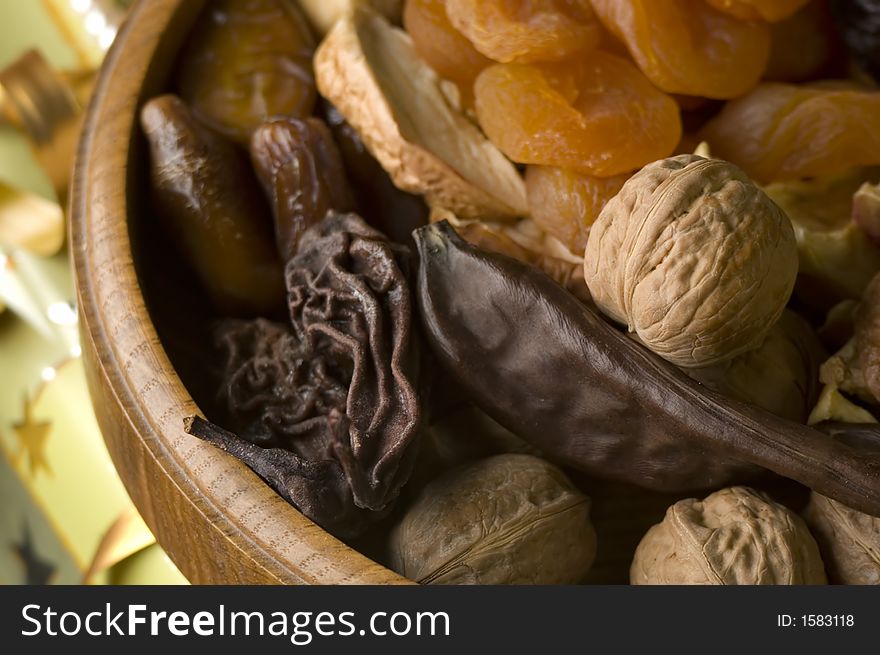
849, 540
781, 375
508, 519
735, 536
694, 258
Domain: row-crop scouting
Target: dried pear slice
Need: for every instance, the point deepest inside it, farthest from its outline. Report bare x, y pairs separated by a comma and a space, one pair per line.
370, 71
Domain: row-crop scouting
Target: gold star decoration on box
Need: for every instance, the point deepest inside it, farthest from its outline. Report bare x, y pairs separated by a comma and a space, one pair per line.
32, 436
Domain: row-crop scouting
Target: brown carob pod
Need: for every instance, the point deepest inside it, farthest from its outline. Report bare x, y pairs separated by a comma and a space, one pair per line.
551, 370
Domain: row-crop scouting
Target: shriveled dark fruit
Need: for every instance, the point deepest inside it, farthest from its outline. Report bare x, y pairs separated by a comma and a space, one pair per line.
859, 24
549, 369
248, 61
209, 201
318, 488
327, 407
301, 171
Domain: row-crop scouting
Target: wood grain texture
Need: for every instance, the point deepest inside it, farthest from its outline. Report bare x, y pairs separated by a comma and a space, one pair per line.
219, 522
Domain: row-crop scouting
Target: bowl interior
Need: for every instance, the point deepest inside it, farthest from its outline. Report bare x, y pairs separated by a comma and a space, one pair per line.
143, 327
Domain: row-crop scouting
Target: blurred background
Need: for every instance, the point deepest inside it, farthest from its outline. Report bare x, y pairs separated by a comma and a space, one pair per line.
65, 517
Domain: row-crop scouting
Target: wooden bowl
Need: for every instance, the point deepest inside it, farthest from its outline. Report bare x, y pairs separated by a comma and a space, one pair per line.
216, 519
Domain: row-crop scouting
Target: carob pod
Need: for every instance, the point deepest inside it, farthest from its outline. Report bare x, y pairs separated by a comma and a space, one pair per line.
551, 370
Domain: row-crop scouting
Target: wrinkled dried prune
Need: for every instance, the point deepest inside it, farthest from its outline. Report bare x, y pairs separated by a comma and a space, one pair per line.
327, 408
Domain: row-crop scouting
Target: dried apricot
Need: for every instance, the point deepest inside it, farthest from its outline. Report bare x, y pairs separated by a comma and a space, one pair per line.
445, 49
771, 11
782, 131
596, 114
803, 46
565, 203
526, 31
687, 47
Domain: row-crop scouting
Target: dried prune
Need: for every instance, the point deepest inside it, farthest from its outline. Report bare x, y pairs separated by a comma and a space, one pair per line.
326, 409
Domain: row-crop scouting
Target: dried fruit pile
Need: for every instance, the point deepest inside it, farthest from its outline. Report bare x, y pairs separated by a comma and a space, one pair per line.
475, 298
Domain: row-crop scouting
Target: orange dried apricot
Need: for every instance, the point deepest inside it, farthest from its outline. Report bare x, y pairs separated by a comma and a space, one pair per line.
596, 114
526, 31
687, 47
782, 131
771, 11
802, 46
445, 49
565, 203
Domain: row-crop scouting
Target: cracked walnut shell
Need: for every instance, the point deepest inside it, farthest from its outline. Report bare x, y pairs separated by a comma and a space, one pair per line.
694, 258
736, 536
849, 540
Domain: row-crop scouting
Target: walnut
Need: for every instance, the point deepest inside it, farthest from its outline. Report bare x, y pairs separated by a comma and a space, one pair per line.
735, 536
508, 519
849, 541
855, 368
781, 375
370, 71
693, 258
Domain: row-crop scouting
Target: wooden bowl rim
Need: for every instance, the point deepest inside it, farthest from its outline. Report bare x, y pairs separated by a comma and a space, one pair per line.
271, 535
